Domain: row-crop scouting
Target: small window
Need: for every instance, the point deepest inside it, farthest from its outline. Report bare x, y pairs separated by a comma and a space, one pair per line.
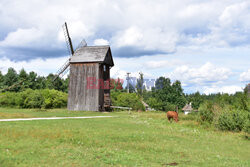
104, 67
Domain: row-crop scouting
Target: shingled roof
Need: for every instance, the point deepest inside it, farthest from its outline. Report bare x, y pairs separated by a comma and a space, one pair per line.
187, 107
89, 54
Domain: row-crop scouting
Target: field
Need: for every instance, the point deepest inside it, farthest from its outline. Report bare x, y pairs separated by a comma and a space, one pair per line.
130, 139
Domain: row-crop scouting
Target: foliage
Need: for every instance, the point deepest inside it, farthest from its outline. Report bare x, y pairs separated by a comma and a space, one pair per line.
139, 86
234, 120
131, 88
168, 95
123, 99
247, 124
24, 80
29, 98
154, 103
196, 99
206, 112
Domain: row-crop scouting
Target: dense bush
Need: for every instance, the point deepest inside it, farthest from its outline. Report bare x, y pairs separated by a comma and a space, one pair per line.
154, 103
206, 112
34, 99
247, 124
234, 120
126, 100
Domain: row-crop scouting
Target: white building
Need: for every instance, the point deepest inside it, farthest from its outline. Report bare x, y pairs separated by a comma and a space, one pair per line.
187, 109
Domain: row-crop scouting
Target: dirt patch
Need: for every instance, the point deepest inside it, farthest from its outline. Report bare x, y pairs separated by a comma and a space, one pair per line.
171, 164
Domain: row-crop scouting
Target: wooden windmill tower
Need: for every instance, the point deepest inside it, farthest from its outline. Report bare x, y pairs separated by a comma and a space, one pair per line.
89, 76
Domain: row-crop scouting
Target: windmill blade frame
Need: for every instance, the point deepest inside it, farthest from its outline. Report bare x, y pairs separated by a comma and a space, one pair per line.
64, 69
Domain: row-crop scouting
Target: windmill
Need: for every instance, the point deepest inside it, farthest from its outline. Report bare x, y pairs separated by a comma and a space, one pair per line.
64, 69
89, 72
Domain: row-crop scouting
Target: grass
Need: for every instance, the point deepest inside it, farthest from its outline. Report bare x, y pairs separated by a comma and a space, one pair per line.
136, 139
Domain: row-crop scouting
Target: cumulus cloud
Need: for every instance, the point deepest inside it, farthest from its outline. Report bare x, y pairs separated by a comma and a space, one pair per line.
222, 89
22, 37
40, 66
101, 42
167, 25
206, 74
245, 76
136, 30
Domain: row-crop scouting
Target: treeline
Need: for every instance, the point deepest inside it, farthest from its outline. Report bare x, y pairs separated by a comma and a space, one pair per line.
14, 81
223, 111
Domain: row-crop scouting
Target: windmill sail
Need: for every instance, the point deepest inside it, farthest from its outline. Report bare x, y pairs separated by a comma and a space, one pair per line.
68, 39
64, 69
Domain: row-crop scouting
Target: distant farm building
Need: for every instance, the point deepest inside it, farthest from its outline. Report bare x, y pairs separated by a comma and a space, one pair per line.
89, 74
187, 108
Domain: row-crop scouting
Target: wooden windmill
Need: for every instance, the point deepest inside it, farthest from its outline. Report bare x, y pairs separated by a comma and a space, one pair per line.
89, 76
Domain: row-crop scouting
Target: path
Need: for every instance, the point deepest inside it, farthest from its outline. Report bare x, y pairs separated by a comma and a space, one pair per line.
51, 118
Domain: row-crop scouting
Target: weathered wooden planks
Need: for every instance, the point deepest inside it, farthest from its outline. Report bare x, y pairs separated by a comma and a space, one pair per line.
80, 97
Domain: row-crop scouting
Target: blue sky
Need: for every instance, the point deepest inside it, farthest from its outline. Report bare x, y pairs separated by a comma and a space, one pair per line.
203, 43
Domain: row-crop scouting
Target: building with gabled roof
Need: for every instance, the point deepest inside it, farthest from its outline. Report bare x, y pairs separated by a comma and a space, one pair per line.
89, 76
187, 108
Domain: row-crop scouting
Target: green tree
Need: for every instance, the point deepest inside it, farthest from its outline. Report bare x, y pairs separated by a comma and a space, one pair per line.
131, 88
196, 99
41, 82
168, 95
32, 80
139, 84
1, 80
10, 79
23, 76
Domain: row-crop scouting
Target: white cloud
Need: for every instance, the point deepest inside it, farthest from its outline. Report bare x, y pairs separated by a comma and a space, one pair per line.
116, 72
222, 89
101, 42
171, 26
206, 74
22, 37
157, 64
245, 76
128, 37
40, 66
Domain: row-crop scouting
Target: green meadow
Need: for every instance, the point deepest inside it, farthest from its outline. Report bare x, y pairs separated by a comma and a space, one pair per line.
129, 139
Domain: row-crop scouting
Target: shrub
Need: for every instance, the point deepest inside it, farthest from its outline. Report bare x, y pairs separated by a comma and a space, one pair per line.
191, 116
34, 99
129, 100
234, 120
154, 103
206, 113
54, 99
8, 99
169, 107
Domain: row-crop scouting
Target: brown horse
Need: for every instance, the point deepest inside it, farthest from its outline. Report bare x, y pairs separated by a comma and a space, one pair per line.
172, 115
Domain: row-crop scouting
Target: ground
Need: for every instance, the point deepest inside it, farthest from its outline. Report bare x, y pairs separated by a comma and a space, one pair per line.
131, 139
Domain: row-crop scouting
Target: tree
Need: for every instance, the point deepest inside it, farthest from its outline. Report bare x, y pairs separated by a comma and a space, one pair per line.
116, 84
131, 88
23, 76
139, 85
41, 82
196, 99
167, 94
1, 80
11, 78
178, 97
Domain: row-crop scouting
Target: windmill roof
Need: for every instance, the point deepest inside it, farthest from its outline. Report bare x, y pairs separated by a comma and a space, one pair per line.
88, 54
187, 107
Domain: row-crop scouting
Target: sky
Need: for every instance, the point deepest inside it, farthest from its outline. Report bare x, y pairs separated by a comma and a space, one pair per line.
203, 43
